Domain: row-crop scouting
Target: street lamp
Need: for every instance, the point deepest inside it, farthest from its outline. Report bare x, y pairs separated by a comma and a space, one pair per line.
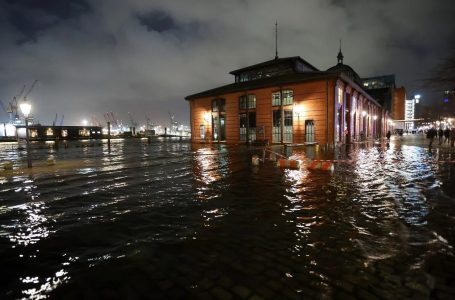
26, 108
375, 129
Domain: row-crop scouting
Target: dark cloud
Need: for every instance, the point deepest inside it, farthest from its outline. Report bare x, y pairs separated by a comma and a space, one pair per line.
143, 56
30, 17
158, 21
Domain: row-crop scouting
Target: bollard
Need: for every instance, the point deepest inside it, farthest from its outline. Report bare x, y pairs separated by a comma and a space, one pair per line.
323, 166
288, 163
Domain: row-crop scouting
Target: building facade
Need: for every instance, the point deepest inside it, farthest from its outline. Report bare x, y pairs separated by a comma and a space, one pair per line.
287, 100
398, 110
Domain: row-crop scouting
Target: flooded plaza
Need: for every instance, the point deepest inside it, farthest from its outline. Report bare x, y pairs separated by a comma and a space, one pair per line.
174, 220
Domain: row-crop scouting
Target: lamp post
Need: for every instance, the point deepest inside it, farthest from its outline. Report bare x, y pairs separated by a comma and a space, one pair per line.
375, 127
298, 110
26, 108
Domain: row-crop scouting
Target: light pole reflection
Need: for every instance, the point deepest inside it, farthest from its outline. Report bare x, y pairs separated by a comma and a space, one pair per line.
26, 108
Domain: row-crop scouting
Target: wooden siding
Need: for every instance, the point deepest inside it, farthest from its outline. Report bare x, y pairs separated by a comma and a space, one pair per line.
316, 97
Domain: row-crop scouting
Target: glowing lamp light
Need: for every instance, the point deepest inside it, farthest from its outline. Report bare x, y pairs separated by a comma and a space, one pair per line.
298, 109
26, 108
364, 113
206, 117
375, 117
84, 122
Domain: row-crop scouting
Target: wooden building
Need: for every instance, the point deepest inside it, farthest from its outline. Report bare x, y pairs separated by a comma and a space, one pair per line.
287, 100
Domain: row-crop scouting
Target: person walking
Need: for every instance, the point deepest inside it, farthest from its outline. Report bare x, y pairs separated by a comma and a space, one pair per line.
440, 135
388, 135
446, 135
452, 137
431, 133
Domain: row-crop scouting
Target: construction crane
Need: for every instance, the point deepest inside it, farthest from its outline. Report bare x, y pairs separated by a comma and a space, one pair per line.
61, 120
55, 120
3, 107
11, 109
94, 121
133, 122
30, 89
149, 124
114, 120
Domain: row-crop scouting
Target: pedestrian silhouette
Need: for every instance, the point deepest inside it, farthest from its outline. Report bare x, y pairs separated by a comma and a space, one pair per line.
431, 134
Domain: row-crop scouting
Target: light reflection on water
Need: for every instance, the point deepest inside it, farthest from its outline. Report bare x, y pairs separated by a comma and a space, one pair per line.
181, 213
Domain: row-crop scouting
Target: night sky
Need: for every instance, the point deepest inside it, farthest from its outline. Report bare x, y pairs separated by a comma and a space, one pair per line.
144, 56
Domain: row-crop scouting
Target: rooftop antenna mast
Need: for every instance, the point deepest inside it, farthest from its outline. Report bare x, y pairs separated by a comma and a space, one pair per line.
340, 55
276, 39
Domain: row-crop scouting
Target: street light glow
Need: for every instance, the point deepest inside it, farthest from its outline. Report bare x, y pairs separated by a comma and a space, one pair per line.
26, 108
207, 116
298, 109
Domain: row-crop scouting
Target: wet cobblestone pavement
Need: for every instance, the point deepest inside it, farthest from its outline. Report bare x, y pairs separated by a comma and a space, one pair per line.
173, 220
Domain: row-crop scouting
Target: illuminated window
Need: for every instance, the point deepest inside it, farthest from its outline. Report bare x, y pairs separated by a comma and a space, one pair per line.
33, 133
84, 132
218, 105
49, 132
251, 101
247, 102
288, 97
64, 133
202, 131
340, 95
276, 99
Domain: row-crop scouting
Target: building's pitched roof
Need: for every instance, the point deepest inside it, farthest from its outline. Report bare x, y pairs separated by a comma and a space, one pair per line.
259, 83
273, 62
346, 69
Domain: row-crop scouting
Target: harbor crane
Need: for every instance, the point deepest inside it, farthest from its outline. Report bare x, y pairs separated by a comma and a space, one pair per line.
12, 107
30, 89
133, 122
171, 116
55, 120
61, 120
94, 121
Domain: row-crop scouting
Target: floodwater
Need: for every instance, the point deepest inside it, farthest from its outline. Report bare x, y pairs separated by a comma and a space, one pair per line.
175, 220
